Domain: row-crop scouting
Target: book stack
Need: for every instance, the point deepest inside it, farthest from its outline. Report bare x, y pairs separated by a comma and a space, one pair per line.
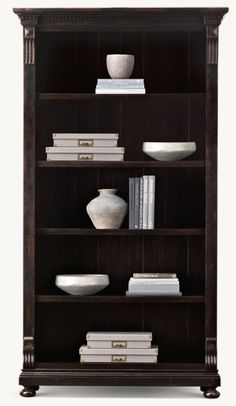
142, 202
85, 147
154, 284
118, 347
120, 86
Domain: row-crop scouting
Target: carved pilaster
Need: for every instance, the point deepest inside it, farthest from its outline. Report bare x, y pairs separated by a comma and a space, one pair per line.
212, 23
29, 22
211, 354
28, 353
29, 45
211, 44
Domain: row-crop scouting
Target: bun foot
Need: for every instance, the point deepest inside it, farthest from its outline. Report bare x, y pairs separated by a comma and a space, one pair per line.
29, 391
211, 393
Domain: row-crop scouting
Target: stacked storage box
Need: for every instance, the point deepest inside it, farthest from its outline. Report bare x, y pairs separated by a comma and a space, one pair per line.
85, 147
120, 86
119, 347
154, 284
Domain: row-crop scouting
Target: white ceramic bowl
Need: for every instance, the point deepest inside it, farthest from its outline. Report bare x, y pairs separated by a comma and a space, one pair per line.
169, 151
82, 284
120, 66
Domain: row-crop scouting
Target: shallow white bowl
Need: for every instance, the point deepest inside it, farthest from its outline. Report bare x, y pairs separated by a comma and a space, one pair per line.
82, 284
120, 66
169, 151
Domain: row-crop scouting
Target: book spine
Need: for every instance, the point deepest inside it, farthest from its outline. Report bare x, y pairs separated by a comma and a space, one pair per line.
124, 81
120, 91
153, 293
155, 275
153, 282
141, 204
154, 288
136, 202
145, 202
131, 203
151, 202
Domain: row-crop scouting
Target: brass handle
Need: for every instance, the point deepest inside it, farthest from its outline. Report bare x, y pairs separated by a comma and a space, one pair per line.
85, 156
119, 344
87, 143
119, 358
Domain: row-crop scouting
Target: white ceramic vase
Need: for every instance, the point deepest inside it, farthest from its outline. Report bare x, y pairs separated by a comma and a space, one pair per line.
120, 66
107, 210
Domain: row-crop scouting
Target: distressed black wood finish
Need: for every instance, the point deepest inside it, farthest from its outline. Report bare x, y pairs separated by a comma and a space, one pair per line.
176, 51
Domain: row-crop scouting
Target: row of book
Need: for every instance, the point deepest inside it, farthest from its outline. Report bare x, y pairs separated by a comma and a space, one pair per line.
120, 86
142, 202
85, 147
118, 347
154, 284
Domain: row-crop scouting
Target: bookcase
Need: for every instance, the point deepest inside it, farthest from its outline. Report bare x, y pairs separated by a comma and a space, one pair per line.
176, 54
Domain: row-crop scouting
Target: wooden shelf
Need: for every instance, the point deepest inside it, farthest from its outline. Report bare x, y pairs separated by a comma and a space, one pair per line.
119, 299
121, 232
176, 366
93, 96
122, 164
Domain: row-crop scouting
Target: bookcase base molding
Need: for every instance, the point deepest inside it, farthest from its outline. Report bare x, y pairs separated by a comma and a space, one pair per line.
176, 56
104, 376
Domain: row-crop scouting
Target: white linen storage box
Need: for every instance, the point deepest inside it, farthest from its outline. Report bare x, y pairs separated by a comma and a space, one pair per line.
119, 340
135, 355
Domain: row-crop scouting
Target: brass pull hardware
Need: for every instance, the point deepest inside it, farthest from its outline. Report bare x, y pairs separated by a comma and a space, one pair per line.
87, 143
119, 358
86, 156
119, 344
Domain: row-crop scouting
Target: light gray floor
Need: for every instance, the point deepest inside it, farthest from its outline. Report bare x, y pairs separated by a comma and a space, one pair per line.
119, 392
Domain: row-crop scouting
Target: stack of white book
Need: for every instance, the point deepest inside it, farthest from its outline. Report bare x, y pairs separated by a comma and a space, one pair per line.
119, 347
142, 202
154, 284
85, 147
120, 86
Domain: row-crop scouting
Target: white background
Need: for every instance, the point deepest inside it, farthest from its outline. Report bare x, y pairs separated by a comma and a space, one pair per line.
11, 181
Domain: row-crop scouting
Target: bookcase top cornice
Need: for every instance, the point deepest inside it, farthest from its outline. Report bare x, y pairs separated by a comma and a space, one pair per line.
62, 17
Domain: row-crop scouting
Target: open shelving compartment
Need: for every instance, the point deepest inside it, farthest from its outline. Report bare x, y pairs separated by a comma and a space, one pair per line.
172, 55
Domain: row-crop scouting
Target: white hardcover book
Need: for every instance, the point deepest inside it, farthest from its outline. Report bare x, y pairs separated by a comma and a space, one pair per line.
154, 275
118, 344
128, 293
119, 359
119, 86
84, 150
154, 288
84, 349
151, 202
154, 282
85, 157
119, 335
84, 143
120, 91
145, 201
141, 203
85, 136
119, 81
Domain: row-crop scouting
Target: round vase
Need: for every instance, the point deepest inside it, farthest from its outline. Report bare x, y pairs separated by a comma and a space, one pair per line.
107, 210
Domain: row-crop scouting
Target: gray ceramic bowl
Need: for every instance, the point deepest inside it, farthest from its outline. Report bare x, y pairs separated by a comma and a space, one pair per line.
169, 151
82, 284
